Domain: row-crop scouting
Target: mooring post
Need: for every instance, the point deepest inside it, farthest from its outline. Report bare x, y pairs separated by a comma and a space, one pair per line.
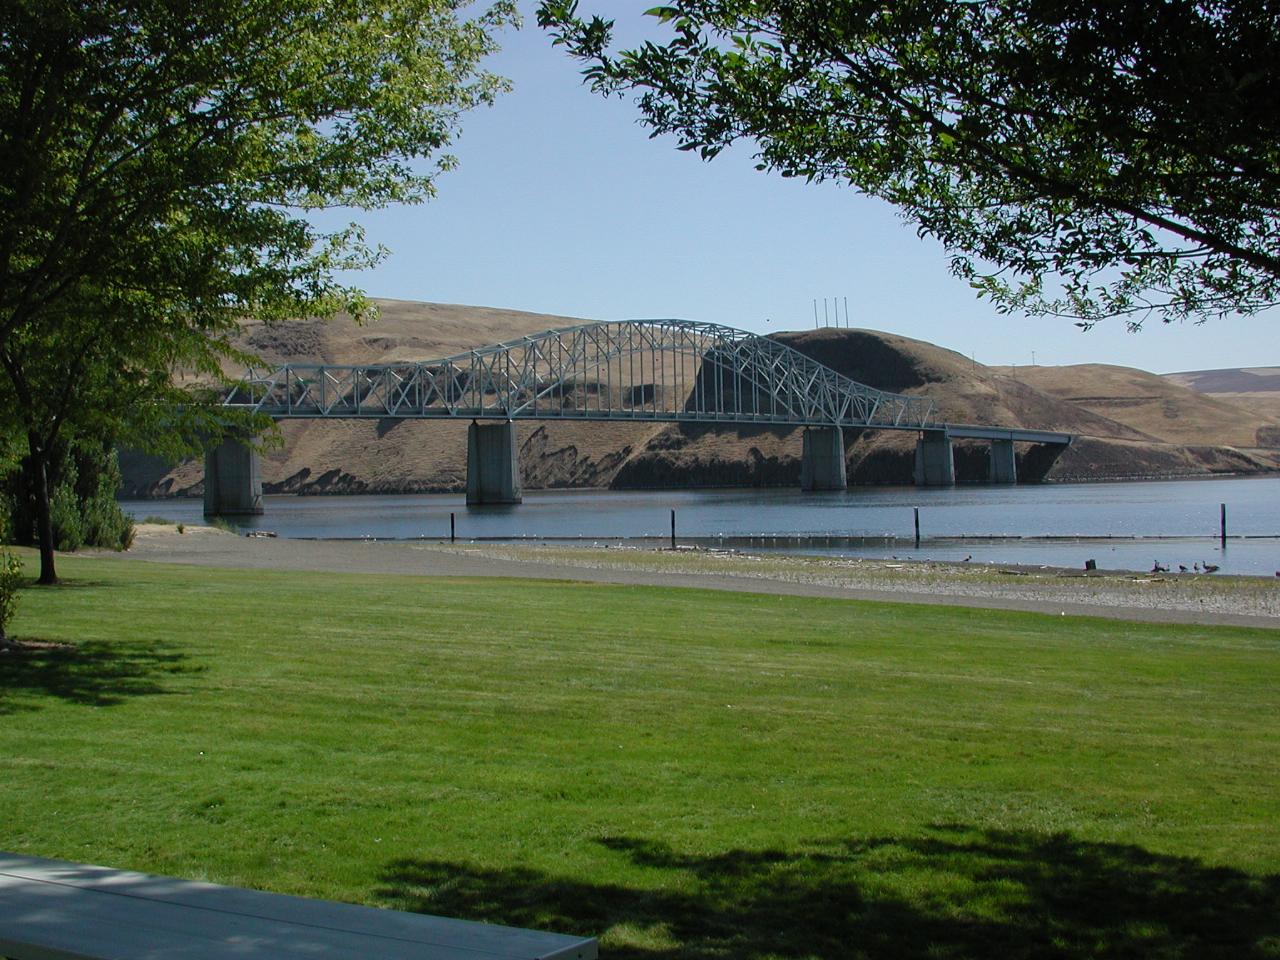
453, 535
1222, 523
673, 529
917, 510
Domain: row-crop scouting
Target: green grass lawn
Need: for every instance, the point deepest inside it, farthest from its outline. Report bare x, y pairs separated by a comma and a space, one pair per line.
683, 773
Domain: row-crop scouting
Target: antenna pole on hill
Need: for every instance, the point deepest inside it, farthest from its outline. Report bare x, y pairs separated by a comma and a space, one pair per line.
815, 313
846, 313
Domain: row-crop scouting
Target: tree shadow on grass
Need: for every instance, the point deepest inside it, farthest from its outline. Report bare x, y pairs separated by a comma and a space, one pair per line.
92, 673
954, 893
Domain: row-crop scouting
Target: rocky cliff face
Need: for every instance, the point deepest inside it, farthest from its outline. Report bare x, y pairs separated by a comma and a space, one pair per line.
1117, 439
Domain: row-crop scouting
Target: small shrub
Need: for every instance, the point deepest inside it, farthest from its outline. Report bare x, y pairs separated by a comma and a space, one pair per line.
221, 523
65, 514
182, 528
105, 524
10, 580
84, 477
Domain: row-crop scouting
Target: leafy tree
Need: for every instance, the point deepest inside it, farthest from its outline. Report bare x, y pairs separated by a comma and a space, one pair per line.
160, 158
1081, 159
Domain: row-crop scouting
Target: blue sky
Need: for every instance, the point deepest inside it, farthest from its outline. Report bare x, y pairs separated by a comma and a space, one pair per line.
561, 204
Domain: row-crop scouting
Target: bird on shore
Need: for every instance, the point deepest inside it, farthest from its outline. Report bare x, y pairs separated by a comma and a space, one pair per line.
1156, 568
1182, 568
967, 559
1211, 568
1197, 566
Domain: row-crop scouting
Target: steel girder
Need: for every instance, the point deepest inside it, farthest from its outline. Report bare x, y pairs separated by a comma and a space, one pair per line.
657, 370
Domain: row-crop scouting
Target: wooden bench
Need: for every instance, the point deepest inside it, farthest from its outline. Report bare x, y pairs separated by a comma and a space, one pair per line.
53, 910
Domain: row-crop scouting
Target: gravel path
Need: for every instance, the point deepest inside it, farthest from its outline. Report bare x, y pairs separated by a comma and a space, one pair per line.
1245, 601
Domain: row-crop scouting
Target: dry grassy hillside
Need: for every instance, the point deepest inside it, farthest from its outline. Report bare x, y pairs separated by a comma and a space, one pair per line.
964, 392
365, 456
419, 456
1256, 389
1233, 380
404, 330
1152, 404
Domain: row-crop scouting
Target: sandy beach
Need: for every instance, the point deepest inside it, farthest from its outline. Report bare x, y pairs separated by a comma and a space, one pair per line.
1167, 598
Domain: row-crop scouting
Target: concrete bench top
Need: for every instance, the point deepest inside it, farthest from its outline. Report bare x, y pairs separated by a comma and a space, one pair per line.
53, 910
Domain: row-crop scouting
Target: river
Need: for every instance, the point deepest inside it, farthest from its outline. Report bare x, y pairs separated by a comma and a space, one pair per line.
1118, 525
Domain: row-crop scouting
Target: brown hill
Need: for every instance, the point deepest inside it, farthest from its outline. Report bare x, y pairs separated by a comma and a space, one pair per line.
404, 330
965, 392
1154, 405
419, 456
409, 456
1234, 380
1256, 389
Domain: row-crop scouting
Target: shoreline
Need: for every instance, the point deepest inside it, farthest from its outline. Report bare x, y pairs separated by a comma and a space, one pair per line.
1207, 599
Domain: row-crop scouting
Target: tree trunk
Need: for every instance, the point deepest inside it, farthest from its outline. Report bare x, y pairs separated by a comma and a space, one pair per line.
44, 515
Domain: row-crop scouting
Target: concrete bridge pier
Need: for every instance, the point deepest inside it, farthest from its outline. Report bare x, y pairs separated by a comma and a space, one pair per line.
1003, 465
493, 464
822, 464
232, 481
935, 460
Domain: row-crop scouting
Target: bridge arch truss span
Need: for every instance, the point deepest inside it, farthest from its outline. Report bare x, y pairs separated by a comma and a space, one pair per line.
648, 370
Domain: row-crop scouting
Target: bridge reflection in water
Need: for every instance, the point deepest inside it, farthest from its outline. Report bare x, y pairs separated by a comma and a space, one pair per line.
672, 371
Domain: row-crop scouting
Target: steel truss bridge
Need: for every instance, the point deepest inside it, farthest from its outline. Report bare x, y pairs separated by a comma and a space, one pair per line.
654, 370
638, 370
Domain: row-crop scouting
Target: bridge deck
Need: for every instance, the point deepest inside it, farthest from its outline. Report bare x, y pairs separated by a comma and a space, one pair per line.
960, 431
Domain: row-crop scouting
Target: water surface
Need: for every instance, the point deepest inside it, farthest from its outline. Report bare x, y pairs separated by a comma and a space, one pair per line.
1119, 525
